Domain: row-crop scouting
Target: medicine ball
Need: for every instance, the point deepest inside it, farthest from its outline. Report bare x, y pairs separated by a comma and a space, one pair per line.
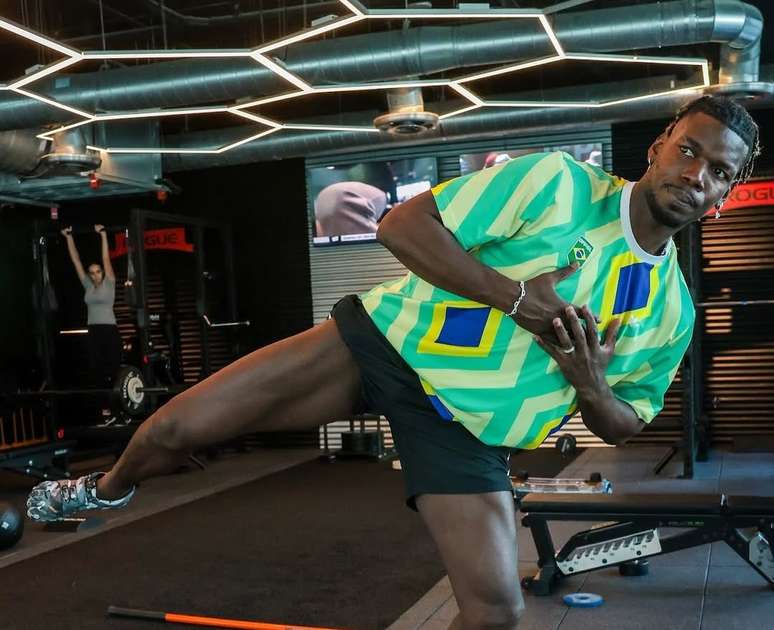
11, 526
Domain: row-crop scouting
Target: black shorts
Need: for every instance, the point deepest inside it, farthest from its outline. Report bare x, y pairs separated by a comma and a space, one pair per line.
437, 456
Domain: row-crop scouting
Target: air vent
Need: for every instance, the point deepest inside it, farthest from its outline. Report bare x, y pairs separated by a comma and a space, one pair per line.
407, 115
68, 156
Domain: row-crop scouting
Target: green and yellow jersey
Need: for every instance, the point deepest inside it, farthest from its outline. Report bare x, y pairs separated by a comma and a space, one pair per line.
523, 218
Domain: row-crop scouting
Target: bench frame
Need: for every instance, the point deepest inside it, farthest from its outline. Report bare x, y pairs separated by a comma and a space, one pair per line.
749, 531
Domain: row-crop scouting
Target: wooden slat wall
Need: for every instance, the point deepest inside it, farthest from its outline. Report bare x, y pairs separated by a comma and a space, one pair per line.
738, 264
738, 250
22, 426
338, 271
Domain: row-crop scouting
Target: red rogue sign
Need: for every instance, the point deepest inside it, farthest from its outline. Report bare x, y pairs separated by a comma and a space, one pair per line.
169, 238
750, 195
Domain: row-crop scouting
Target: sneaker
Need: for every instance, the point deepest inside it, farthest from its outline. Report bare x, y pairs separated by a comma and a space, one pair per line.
56, 500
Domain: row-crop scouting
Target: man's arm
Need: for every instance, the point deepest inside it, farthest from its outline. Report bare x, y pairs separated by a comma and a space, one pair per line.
608, 418
414, 233
584, 367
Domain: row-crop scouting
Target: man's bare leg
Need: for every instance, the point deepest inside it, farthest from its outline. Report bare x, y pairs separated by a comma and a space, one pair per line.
294, 384
476, 536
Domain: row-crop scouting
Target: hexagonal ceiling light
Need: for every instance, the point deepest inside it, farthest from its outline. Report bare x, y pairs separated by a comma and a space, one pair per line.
358, 13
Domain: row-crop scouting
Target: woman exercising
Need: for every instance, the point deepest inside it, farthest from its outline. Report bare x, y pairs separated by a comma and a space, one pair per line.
104, 340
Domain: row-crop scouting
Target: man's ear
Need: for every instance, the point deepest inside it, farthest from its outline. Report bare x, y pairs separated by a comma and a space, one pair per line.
654, 148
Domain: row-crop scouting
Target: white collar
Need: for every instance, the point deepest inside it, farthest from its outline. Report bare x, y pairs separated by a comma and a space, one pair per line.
626, 224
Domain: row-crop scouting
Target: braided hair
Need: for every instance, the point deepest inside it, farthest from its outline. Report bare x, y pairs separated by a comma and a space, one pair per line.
736, 118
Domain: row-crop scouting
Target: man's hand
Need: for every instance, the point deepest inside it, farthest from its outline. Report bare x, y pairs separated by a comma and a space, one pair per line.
67, 232
542, 305
582, 359
98, 228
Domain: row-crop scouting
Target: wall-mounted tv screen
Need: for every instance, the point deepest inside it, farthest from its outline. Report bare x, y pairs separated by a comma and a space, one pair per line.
469, 162
347, 201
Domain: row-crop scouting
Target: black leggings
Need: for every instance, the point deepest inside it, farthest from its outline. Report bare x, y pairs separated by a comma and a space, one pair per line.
104, 343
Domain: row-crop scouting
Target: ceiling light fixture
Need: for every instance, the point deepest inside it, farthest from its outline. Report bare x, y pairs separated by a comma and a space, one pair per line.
49, 69
282, 72
358, 13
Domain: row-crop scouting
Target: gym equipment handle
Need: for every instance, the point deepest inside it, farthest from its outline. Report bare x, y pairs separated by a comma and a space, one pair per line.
224, 324
56, 393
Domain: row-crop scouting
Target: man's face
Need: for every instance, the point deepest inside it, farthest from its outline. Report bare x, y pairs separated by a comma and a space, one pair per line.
692, 169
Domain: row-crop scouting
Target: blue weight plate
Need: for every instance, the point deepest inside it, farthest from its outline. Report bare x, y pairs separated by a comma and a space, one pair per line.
583, 600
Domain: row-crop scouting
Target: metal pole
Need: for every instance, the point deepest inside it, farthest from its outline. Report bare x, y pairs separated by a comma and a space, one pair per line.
137, 243
692, 365
201, 300
720, 304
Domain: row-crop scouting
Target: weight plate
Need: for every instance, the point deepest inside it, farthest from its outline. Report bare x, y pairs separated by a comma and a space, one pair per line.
133, 392
127, 391
583, 600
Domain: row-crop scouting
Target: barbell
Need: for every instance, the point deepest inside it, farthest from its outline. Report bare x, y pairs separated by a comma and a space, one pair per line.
128, 393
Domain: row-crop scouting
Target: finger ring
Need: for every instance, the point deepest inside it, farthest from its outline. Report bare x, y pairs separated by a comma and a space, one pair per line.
569, 350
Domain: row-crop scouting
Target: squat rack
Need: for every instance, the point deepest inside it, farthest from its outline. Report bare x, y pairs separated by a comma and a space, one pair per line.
50, 451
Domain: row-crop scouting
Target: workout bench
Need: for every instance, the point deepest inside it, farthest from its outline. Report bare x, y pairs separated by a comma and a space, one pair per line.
631, 530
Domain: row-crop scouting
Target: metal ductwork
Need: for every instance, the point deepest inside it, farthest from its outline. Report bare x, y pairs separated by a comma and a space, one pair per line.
25, 155
20, 151
477, 124
414, 51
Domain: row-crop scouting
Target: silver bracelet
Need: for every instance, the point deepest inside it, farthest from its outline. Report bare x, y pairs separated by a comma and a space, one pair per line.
519, 300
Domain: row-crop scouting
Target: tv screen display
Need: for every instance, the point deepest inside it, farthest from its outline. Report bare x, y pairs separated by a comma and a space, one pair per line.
469, 162
347, 201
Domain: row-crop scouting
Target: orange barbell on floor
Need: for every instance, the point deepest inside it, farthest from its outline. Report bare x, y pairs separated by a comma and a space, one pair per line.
196, 620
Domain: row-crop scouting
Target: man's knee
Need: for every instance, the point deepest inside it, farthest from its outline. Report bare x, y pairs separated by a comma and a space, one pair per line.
168, 430
501, 616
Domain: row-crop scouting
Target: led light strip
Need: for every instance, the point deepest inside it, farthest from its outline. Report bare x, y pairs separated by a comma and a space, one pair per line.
391, 85
150, 150
49, 69
165, 54
135, 115
512, 68
299, 37
48, 135
270, 99
38, 39
331, 127
238, 143
463, 91
260, 119
459, 111
280, 71
51, 102
631, 99
554, 104
452, 14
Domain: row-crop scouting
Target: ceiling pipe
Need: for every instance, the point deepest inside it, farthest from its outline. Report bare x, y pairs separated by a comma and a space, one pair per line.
477, 124
416, 51
20, 150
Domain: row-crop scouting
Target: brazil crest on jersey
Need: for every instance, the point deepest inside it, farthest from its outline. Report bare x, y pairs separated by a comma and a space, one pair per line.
525, 217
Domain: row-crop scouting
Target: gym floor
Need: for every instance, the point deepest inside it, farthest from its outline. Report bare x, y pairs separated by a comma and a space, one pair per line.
701, 588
